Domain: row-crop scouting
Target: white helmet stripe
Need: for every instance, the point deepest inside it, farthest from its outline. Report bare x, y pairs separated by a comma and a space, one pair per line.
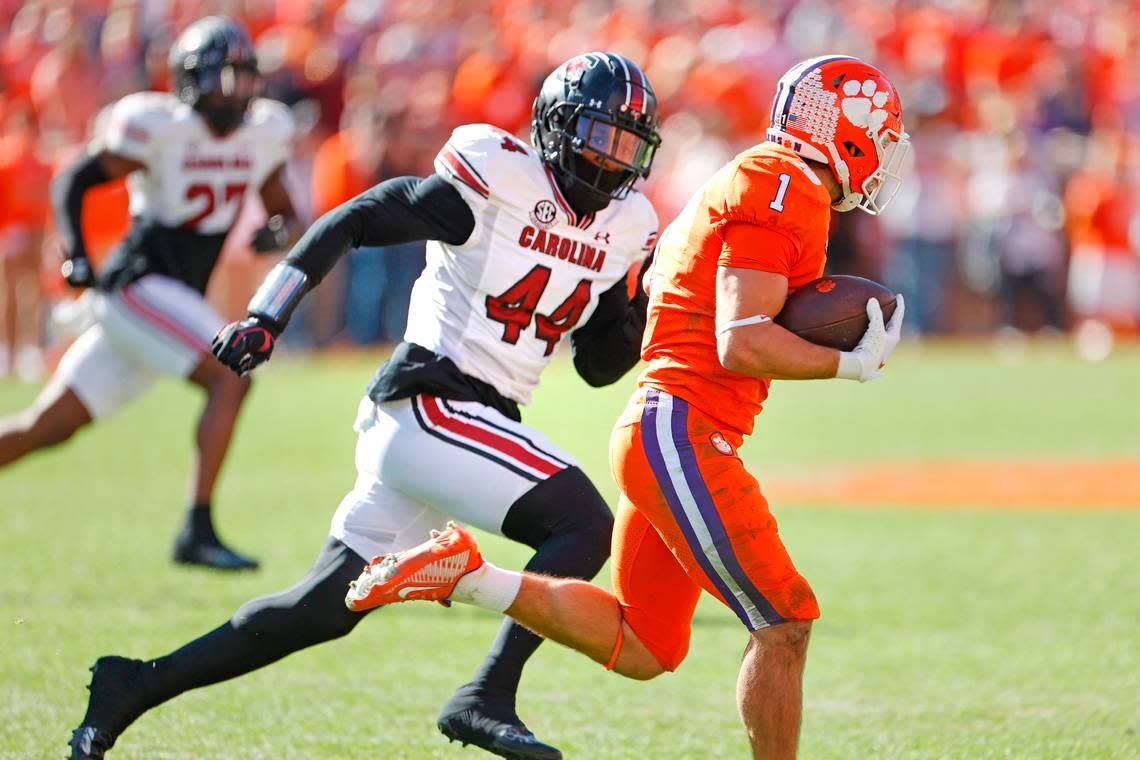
789, 81
628, 79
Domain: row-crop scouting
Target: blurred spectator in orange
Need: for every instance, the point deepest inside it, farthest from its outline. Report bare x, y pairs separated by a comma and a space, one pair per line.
66, 87
24, 207
1103, 203
977, 77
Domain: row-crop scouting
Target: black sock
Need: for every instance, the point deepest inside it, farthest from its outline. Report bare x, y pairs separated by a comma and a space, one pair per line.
263, 630
569, 525
198, 525
223, 653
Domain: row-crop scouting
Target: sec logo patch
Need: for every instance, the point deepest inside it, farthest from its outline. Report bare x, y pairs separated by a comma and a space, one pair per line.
720, 444
544, 214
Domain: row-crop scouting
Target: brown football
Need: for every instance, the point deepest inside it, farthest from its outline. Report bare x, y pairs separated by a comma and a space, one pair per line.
832, 311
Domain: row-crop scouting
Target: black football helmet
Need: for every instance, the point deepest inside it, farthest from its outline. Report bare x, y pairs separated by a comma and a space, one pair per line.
214, 70
595, 125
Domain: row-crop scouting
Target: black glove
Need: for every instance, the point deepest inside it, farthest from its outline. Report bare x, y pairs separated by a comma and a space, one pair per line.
78, 273
243, 345
271, 237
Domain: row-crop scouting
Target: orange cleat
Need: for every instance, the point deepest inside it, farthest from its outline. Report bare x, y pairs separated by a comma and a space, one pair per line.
426, 572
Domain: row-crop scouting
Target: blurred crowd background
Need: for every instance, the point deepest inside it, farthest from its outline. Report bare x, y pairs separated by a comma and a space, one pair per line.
1020, 214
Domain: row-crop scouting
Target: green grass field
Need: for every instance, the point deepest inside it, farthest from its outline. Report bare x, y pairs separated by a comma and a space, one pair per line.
946, 634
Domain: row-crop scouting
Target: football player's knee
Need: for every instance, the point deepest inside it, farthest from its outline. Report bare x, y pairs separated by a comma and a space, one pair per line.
596, 528
790, 639
644, 668
643, 663
564, 506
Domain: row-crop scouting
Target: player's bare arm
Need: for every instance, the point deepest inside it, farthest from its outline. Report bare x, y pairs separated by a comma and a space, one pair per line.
67, 191
762, 348
282, 225
751, 343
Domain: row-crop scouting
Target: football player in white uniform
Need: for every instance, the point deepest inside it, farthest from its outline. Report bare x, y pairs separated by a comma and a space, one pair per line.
529, 245
190, 158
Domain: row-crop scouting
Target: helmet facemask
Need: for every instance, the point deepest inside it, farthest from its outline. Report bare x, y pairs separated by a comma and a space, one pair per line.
881, 185
601, 155
222, 93
595, 127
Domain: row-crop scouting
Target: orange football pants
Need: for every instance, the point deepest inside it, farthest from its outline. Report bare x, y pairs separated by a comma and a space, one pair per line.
691, 518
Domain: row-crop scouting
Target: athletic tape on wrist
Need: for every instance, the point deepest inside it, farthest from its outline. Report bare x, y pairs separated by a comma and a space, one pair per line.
850, 367
743, 321
279, 295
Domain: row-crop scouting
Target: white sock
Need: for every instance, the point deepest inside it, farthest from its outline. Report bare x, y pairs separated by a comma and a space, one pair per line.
489, 587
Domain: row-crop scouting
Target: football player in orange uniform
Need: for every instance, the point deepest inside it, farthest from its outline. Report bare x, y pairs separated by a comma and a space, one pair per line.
691, 517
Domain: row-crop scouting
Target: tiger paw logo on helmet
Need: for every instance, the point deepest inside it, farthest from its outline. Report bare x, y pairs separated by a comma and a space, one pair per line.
859, 97
825, 286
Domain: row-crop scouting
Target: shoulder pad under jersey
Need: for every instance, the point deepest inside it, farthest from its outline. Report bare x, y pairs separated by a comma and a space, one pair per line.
488, 162
774, 189
271, 123
271, 118
134, 125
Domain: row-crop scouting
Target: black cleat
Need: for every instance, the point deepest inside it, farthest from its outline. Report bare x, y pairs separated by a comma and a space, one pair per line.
210, 552
116, 699
490, 723
89, 743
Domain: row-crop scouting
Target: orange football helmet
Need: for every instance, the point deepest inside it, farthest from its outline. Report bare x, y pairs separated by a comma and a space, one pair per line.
843, 112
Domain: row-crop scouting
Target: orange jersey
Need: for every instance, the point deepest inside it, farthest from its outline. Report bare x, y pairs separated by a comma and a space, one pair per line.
765, 210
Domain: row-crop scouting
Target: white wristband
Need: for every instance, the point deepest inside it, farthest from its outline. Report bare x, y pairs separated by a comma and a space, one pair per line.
743, 322
850, 368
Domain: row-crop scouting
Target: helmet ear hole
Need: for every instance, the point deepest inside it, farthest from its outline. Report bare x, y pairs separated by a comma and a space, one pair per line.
852, 149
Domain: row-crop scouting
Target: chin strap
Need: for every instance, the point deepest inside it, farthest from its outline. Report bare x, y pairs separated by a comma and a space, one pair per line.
279, 294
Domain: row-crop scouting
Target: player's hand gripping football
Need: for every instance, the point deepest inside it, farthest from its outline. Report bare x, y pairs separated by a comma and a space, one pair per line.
875, 347
243, 345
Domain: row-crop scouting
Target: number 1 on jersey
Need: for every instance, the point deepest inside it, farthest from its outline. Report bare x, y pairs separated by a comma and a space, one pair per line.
778, 203
515, 306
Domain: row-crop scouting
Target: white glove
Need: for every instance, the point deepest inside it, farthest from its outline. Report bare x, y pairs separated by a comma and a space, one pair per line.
876, 345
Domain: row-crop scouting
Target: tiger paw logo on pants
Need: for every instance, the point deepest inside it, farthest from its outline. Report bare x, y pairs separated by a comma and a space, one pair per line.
719, 443
863, 103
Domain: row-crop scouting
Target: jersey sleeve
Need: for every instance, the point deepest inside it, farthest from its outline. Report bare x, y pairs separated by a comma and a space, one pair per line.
772, 194
750, 246
134, 125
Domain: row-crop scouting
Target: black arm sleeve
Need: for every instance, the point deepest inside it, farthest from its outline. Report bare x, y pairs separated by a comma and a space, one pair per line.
609, 344
67, 190
396, 211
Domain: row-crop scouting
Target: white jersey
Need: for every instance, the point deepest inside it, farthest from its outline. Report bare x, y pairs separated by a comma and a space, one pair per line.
531, 271
193, 179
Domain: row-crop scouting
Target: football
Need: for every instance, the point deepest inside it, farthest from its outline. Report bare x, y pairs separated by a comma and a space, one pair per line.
832, 311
